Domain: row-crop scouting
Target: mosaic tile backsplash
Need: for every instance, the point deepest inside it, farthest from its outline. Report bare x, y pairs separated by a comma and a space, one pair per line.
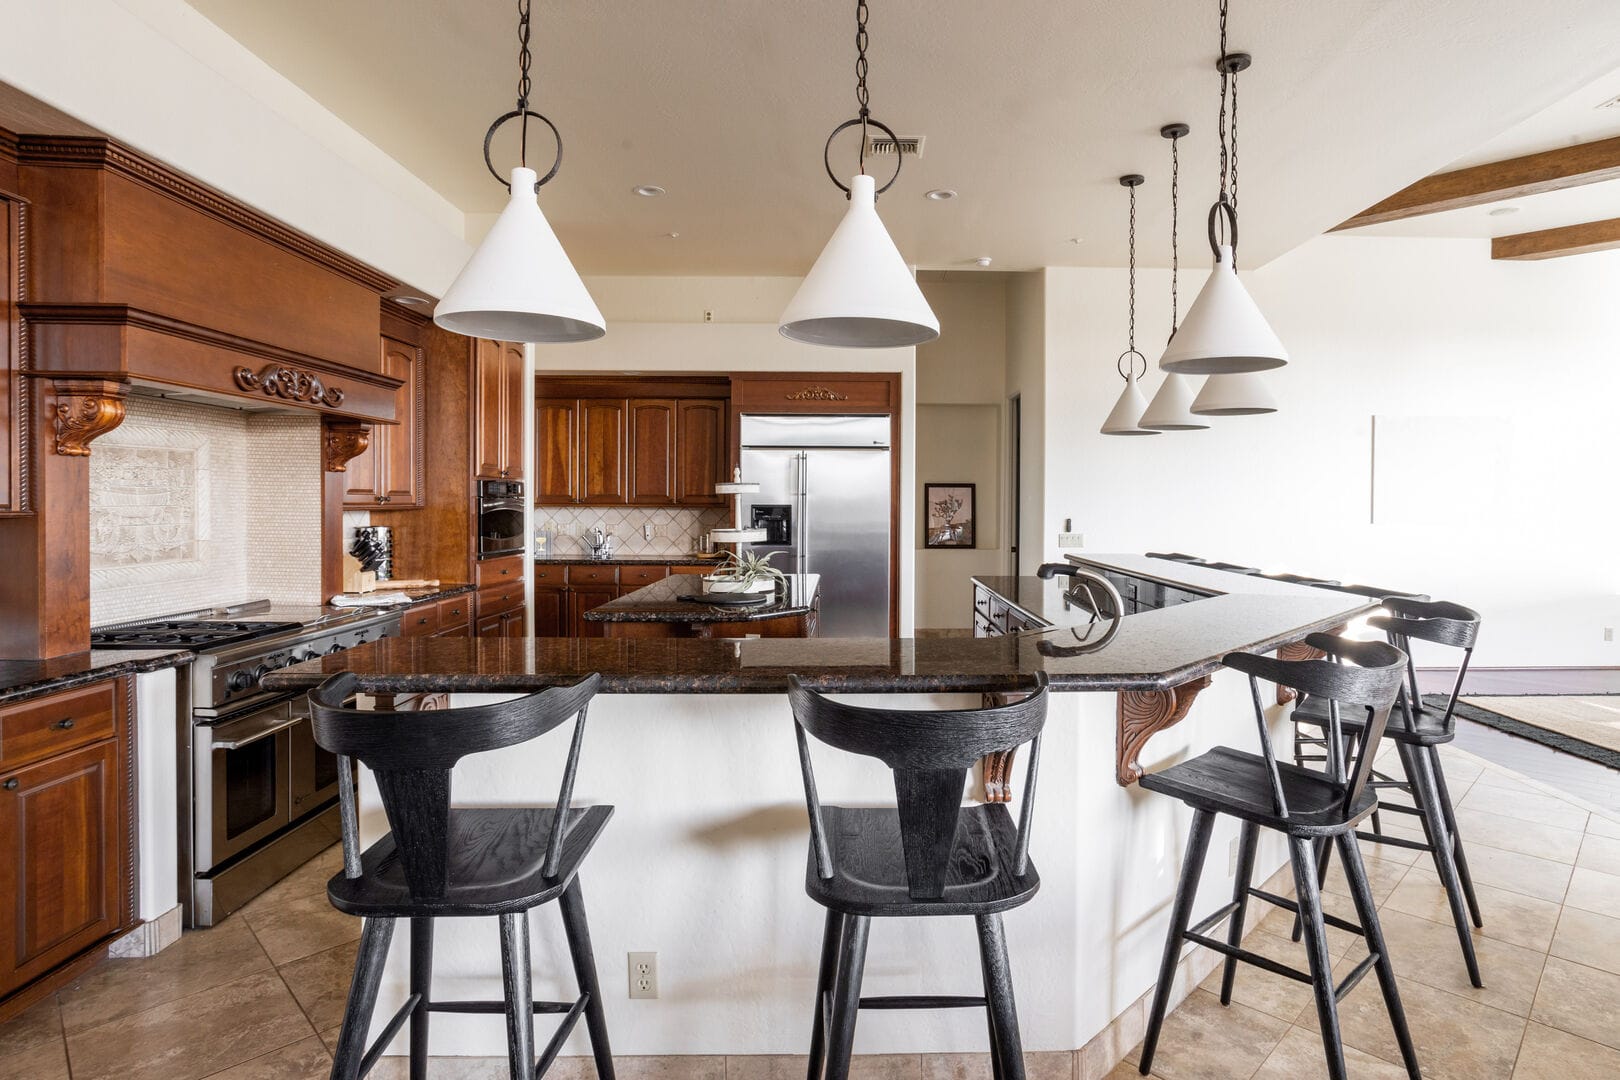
676, 531
192, 505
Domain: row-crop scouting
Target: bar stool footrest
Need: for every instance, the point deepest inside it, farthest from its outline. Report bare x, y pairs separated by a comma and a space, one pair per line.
923, 1001
540, 1007
1355, 976
1248, 957
1398, 841
1289, 905
554, 1047
387, 1036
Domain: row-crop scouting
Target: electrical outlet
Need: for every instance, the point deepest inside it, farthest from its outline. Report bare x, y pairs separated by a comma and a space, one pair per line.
1608, 633
643, 974
647, 531
1231, 858
708, 315
1071, 540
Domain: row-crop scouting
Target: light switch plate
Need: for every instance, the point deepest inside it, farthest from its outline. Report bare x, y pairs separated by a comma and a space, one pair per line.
1071, 540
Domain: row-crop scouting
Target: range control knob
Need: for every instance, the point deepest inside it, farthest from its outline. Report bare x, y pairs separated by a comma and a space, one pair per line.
260, 671
337, 647
240, 680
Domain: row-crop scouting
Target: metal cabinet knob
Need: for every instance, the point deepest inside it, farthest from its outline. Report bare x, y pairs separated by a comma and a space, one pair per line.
64, 725
11, 785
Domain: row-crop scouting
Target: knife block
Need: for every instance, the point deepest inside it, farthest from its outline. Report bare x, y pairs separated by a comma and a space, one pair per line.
356, 580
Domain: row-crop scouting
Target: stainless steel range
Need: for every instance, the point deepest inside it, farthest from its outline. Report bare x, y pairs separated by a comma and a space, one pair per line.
258, 798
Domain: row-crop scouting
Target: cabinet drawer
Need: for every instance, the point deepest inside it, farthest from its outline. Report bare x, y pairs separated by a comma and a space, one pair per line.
454, 611
419, 621
493, 571
549, 575
638, 576
49, 725
593, 575
498, 598
701, 569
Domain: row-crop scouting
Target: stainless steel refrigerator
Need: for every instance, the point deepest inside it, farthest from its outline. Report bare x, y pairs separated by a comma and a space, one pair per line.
825, 497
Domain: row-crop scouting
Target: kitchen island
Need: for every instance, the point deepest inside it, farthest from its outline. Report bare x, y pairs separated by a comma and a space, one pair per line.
704, 860
676, 607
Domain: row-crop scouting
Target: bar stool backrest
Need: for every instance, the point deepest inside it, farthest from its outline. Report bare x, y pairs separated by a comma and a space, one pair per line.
1358, 674
1436, 621
929, 753
411, 754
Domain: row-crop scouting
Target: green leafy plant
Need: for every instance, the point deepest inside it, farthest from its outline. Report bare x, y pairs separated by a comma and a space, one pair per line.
747, 568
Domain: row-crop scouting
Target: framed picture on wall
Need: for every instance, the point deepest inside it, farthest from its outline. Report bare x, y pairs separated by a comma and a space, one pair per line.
949, 516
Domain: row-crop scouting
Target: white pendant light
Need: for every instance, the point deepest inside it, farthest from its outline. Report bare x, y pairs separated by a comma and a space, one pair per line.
860, 294
1126, 417
1224, 331
1244, 393
1171, 407
519, 284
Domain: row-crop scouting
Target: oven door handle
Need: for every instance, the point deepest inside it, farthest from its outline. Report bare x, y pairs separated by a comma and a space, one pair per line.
254, 734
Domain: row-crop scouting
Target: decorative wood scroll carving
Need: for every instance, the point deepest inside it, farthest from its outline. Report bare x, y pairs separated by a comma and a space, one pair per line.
1144, 713
342, 441
293, 384
1298, 650
816, 393
86, 409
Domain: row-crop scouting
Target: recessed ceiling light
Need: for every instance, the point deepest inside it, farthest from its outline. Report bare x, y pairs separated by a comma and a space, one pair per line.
1503, 211
672, 236
411, 301
943, 194
1077, 239
647, 191
982, 260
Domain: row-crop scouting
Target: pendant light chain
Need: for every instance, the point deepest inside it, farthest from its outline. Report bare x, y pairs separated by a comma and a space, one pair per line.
1132, 334
863, 97
524, 85
1175, 232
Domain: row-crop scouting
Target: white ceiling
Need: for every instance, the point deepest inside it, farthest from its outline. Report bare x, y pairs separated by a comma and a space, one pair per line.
1031, 111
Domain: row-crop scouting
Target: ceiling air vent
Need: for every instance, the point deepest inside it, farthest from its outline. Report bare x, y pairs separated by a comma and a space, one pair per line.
907, 145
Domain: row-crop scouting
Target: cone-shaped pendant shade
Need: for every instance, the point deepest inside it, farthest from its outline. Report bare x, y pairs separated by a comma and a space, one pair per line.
1224, 331
1243, 394
1171, 407
519, 284
1127, 414
860, 294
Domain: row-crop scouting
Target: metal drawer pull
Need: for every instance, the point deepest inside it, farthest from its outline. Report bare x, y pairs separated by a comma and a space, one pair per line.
255, 736
64, 724
11, 785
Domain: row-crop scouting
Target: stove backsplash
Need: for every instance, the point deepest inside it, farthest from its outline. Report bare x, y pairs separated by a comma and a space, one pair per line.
192, 505
676, 531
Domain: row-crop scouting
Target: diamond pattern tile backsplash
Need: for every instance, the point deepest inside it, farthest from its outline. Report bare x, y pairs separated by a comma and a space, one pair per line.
192, 505
676, 531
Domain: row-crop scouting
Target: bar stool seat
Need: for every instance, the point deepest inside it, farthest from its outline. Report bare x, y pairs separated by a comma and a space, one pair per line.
1420, 729
1234, 782
869, 866
495, 861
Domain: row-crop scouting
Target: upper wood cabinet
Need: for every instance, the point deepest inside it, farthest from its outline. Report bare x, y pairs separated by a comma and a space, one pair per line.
603, 445
651, 456
498, 402
389, 472
555, 436
700, 451
12, 390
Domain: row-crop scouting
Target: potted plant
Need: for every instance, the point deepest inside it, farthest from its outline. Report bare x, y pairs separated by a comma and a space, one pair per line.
744, 572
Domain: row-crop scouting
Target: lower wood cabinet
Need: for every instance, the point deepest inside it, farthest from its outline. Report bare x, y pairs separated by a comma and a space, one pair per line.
503, 623
582, 598
65, 829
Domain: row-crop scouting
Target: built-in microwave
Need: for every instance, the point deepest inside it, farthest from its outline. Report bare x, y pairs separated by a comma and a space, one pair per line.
500, 517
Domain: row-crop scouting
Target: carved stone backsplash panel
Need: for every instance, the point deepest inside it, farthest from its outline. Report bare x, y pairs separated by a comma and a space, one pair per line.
148, 501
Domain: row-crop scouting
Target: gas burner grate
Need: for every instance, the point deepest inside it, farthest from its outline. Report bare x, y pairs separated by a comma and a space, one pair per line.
191, 633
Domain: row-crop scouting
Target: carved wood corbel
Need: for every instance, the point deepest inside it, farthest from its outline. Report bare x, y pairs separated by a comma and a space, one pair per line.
86, 409
1144, 713
341, 442
1298, 650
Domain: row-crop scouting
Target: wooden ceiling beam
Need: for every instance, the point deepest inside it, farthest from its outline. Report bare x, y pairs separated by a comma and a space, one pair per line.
1551, 170
1554, 243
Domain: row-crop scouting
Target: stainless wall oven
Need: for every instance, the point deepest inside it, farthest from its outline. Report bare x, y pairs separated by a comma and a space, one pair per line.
500, 518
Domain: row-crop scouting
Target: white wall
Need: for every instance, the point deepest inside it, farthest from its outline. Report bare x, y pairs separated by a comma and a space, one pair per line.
1027, 367
1375, 326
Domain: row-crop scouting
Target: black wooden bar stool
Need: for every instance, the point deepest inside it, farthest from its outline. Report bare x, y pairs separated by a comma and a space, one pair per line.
926, 856
1307, 806
439, 862
1418, 730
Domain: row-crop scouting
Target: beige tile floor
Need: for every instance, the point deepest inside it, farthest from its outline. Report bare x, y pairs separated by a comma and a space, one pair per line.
260, 996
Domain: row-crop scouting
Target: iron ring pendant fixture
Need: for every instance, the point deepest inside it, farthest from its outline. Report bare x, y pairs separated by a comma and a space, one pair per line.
1126, 417
1171, 407
860, 294
1224, 332
519, 284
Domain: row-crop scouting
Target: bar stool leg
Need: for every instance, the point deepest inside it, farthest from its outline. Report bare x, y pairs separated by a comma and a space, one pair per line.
375, 934
422, 985
1302, 854
572, 904
1192, 866
1456, 837
990, 1019
830, 936
519, 996
1355, 871
1247, 842
846, 997
1440, 845
998, 989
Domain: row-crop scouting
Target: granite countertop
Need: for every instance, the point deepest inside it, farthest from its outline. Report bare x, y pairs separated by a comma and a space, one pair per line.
690, 559
24, 679
661, 602
1154, 650
443, 592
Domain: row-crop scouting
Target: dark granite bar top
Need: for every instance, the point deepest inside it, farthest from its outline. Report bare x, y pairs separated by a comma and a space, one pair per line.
661, 602
24, 679
1154, 650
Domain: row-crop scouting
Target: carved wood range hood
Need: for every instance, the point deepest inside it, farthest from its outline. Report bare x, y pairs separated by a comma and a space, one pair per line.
153, 280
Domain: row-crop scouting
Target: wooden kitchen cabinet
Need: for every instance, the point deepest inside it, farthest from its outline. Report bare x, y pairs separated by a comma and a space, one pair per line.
550, 611
631, 450
498, 405
582, 598
556, 439
603, 441
651, 452
701, 438
389, 472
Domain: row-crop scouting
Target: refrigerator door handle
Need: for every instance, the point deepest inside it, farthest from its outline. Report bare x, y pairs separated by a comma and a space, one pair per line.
804, 512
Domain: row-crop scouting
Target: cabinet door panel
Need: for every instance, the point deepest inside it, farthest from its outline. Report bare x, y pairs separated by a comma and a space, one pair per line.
60, 848
400, 452
581, 600
550, 612
700, 446
512, 623
512, 462
489, 626
488, 384
556, 442
651, 452
363, 473
601, 452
